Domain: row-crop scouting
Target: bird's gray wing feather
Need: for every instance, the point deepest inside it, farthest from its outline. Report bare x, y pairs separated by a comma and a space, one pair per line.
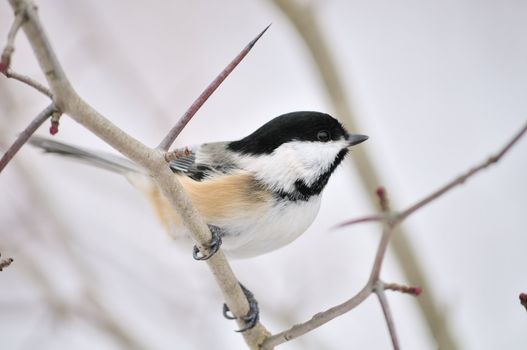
204, 161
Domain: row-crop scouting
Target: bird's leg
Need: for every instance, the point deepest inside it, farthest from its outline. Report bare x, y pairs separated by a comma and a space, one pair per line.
212, 246
252, 316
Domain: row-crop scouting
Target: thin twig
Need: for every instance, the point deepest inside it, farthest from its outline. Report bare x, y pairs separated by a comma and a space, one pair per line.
5, 60
317, 320
381, 295
378, 286
461, 179
26, 134
185, 118
29, 81
441, 191
369, 218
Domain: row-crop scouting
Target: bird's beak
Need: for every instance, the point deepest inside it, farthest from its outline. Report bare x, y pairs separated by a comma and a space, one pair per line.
355, 139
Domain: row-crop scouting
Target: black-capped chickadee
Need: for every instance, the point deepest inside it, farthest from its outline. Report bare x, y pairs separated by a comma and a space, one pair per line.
258, 193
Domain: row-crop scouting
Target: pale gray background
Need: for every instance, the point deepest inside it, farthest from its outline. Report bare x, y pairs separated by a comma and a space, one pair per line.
438, 86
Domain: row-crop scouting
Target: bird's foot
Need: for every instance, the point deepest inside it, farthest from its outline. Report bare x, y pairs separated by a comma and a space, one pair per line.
252, 316
212, 246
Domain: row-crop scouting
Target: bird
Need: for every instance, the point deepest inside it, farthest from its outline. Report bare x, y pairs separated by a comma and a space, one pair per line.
256, 194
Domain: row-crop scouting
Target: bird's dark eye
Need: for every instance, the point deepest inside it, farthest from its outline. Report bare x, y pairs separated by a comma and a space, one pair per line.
323, 136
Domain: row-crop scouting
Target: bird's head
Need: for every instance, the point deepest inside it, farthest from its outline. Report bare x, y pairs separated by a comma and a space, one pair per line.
297, 151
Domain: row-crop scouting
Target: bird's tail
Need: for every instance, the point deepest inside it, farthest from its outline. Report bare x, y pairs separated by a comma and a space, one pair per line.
99, 159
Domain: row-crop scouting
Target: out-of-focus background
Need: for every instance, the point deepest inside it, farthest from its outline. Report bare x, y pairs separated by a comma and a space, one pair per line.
438, 86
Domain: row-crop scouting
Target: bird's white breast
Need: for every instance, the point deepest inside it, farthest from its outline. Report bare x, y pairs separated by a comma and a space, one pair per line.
264, 231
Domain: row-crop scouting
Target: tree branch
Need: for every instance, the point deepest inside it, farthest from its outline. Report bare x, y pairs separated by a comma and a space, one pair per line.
26, 134
381, 295
9, 73
462, 178
69, 102
185, 118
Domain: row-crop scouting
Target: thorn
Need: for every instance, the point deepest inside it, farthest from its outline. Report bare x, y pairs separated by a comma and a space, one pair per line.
251, 44
202, 98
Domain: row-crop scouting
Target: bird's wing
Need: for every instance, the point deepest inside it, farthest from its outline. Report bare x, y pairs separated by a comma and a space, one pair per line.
204, 161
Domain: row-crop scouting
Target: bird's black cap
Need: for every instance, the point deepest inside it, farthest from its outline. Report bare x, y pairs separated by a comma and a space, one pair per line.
301, 126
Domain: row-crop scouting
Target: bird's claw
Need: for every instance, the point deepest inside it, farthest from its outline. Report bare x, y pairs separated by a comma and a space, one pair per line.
212, 246
253, 315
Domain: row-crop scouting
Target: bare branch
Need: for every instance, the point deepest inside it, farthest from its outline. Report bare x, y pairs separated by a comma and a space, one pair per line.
185, 118
461, 179
317, 320
67, 101
369, 218
397, 218
26, 134
379, 290
28, 81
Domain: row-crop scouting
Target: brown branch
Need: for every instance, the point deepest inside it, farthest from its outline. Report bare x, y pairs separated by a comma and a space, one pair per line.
369, 218
26, 134
377, 285
185, 118
381, 295
69, 102
461, 179
5, 262
28, 81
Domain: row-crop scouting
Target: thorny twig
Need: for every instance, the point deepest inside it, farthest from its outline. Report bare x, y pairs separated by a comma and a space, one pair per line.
390, 224
26, 134
185, 118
